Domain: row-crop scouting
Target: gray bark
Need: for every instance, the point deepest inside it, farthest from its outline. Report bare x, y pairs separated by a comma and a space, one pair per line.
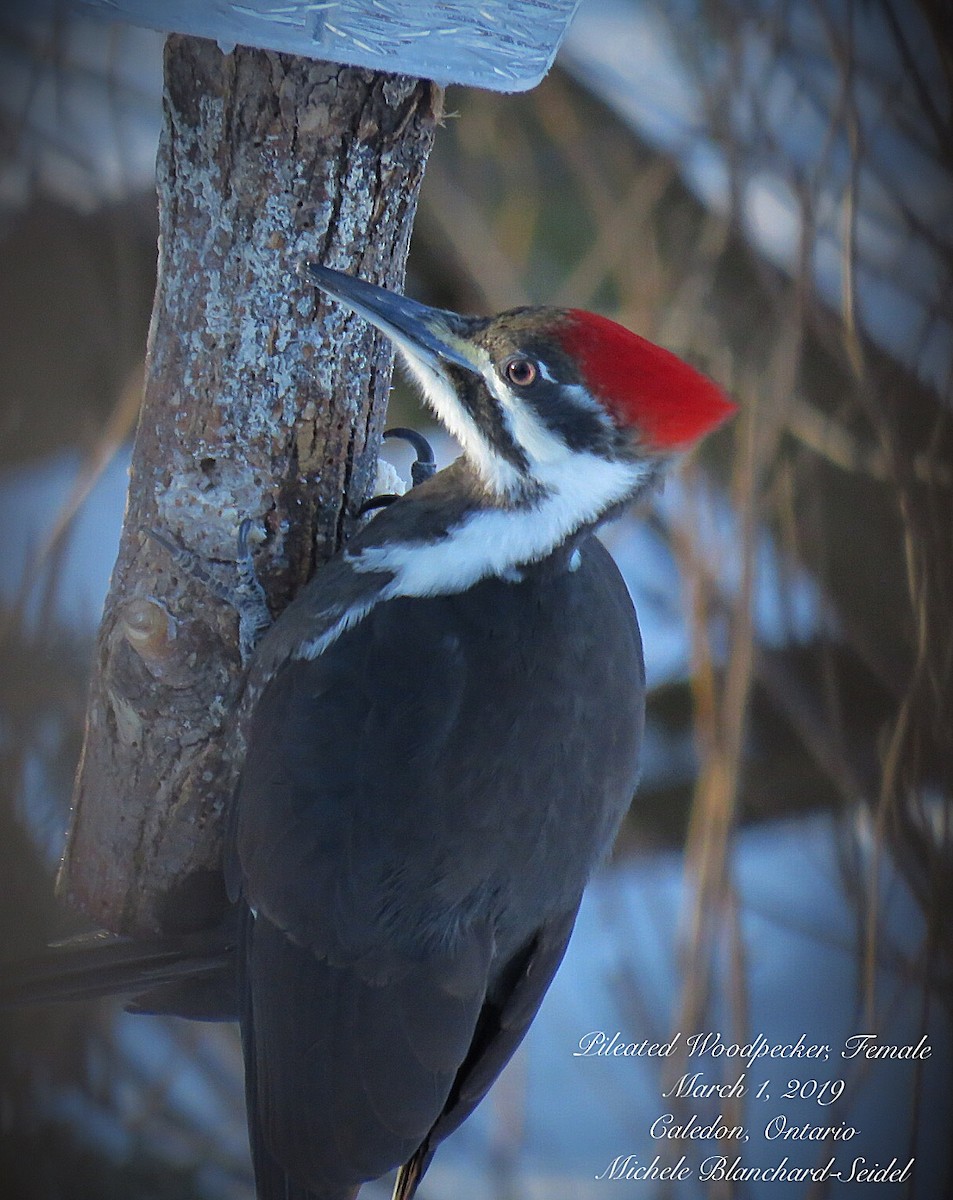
259, 402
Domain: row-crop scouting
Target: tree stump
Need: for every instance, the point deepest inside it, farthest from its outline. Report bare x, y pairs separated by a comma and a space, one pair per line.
261, 401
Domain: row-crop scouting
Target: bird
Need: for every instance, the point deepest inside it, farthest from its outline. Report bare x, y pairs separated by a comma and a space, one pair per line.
443, 734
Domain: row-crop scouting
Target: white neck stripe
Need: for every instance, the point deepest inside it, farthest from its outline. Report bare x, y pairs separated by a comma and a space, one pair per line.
528, 430
499, 475
492, 541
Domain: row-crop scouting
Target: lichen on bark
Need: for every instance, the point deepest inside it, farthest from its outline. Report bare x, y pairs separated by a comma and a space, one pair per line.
261, 400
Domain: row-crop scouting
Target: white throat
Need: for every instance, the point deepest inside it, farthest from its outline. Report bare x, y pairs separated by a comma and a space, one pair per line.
499, 475
497, 541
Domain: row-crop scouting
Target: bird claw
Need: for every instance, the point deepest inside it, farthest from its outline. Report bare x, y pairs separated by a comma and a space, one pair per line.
423, 466
247, 597
421, 469
251, 604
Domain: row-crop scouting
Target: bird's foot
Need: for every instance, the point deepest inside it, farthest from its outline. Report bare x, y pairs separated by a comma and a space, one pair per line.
423, 465
250, 602
421, 469
246, 597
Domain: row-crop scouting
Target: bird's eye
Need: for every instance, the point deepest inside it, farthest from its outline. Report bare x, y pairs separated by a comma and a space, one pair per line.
521, 371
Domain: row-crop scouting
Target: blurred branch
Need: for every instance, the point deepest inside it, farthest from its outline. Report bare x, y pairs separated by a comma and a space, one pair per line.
465, 228
939, 22
118, 427
720, 719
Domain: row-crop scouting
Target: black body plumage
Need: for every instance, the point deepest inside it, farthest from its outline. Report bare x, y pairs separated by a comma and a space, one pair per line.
421, 807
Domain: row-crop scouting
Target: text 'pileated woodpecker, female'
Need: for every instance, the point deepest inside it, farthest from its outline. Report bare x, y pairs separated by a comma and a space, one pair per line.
443, 739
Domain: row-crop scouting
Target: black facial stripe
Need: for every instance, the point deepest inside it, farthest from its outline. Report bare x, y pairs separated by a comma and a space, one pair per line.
487, 412
580, 427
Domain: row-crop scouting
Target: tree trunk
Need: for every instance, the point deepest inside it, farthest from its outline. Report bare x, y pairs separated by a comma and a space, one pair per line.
259, 402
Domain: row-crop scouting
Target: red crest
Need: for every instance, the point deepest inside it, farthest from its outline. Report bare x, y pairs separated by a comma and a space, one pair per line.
668, 402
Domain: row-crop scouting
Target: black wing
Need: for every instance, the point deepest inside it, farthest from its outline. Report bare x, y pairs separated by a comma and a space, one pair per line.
504, 1022
344, 1075
358, 1010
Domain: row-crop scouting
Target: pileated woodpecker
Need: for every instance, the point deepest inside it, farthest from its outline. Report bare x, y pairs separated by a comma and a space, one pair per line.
444, 737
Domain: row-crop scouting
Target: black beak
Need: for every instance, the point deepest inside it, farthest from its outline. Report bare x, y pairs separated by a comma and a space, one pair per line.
420, 331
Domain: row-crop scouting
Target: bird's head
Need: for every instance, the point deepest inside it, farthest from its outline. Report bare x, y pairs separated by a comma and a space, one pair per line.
543, 399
